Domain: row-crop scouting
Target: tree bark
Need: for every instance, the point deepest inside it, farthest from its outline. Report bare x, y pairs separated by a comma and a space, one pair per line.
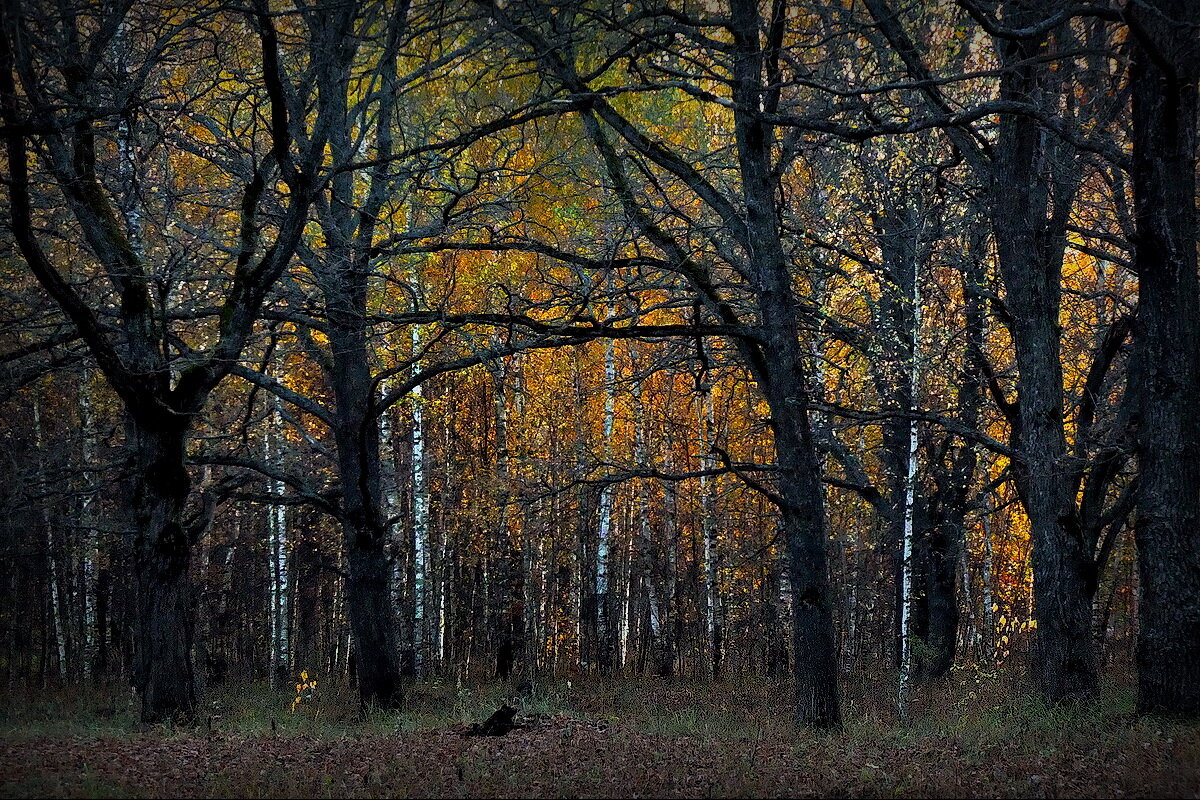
365, 530
163, 673
784, 384
1032, 176
1163, 76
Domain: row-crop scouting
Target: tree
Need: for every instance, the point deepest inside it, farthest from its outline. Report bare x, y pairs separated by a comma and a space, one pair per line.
57, 89
751, 243
1163, 77
1031, 174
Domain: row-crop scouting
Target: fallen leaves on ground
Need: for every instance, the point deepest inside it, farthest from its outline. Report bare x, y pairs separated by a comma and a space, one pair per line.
562, 755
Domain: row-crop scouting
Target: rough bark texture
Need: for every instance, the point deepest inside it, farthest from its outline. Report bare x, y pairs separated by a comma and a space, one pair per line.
1030, 198
365, 532
1166, 65
342, 269
785, 385
163, 672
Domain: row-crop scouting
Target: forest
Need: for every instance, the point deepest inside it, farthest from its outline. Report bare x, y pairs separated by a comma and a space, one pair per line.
382, 353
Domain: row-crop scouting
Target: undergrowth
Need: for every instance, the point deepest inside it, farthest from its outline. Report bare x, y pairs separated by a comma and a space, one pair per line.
973, 733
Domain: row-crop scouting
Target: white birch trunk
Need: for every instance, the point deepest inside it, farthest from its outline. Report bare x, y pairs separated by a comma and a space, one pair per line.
279, 658
626, 603
91, 546
442, 600
604, 531
708, 528
906, 575
910, 494
420, 520
56, 615
391, 492
971, 637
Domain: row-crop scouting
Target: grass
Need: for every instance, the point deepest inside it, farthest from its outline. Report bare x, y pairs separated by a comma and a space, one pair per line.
975, 733
982, 706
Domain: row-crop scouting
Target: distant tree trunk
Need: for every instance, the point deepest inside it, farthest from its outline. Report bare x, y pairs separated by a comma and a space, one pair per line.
533, 578
908, 665
602, 598
986, 579
714, 618
401, 556
646, 599
420, 520
92, 631
511, 582
669, 611
55, 615
1163, 76
278, 590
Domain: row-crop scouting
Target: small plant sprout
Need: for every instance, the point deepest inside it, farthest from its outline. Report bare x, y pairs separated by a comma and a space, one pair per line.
306, 690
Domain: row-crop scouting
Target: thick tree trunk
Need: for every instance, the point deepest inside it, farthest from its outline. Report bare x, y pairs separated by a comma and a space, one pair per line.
940, 553
163, 671
372, 624
1028, 202
814, 662
1166, 64
782, 379
364, 526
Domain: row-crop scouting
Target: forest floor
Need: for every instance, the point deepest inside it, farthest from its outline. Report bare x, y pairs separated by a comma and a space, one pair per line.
975, 735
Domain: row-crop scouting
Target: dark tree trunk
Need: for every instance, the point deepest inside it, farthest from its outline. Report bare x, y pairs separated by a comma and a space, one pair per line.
936, 623
783, 381
342, 269
373, 622
163, 670
954, 487
1166, 65
814, 661
103, 588
1030, 198
510, 608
